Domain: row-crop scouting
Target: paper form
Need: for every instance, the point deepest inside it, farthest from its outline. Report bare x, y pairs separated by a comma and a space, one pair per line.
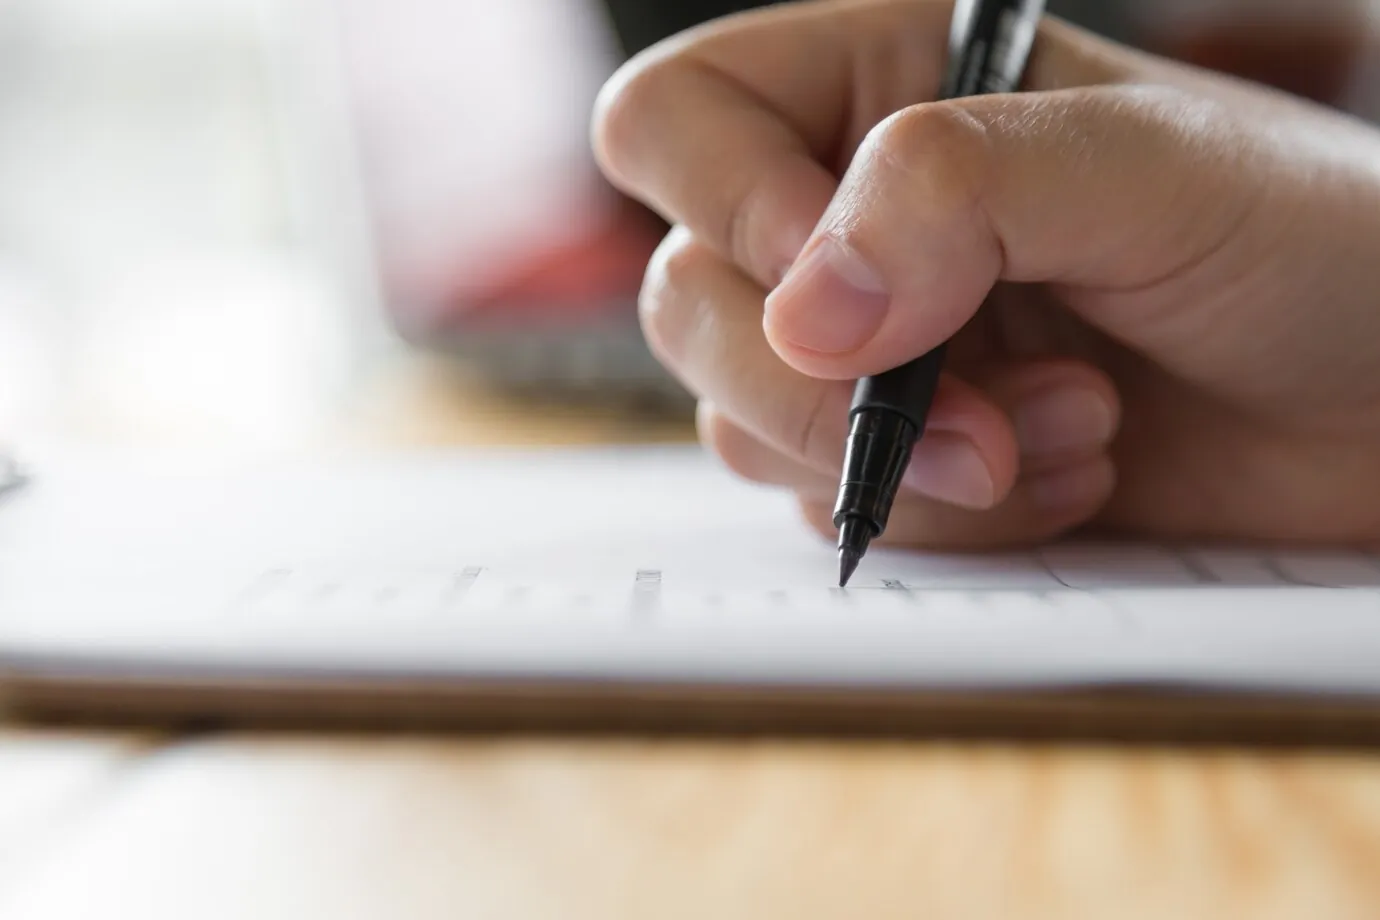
633, 564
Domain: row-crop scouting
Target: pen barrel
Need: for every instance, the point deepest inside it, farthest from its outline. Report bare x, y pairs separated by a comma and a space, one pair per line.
907, 390
887, 417
879, 446
989, 45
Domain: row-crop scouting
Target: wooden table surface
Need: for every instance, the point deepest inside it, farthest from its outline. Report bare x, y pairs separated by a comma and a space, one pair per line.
298, 826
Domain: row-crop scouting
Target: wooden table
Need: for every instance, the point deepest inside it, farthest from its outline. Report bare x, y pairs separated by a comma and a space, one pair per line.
297, 826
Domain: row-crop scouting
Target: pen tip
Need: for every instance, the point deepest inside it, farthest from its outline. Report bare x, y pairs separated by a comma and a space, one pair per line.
848, 564
854, 535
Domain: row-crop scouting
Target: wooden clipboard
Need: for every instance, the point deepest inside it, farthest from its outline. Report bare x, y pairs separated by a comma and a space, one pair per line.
1121, 715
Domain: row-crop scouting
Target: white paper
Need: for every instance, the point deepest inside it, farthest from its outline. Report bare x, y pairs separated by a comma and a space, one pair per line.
633, 564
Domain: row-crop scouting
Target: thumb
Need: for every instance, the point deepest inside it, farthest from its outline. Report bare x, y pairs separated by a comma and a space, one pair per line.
1108, 188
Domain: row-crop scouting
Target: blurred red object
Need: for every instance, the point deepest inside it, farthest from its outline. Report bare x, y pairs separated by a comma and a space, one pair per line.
498, 242
593, 274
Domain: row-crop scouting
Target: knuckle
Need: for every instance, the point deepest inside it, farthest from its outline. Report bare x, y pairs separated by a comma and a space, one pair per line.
942, 145
667, 292
936, 128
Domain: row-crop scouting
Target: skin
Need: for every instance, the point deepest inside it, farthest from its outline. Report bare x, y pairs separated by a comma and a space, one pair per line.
1178, 275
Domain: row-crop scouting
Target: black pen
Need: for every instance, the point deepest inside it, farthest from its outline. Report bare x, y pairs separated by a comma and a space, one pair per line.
989, 44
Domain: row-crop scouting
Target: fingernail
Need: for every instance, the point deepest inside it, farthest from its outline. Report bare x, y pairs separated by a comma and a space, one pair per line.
830, 302
1059, 420
1076, 487
948, 468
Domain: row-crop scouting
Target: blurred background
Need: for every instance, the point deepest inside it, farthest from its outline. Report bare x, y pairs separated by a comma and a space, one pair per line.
269, 222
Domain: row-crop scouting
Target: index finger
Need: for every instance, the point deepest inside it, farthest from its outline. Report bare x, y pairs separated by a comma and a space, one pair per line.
740, 128
726, 128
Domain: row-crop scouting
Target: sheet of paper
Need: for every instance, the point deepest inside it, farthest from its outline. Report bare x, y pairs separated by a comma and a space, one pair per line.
632, 564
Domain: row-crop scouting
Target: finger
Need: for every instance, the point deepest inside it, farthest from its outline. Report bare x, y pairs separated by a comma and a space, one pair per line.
1064, 411
1101, 189
739, 128
1039, 509
749, 457
1065, 414
1045, 503
703, 319
945, 465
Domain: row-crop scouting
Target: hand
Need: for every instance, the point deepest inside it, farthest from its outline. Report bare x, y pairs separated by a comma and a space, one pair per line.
1182, 338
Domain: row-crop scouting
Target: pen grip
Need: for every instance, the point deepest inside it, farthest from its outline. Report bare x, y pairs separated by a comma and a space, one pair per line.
907, 390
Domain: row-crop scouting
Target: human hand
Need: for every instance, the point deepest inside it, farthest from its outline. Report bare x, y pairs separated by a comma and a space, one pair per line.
1182, 337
